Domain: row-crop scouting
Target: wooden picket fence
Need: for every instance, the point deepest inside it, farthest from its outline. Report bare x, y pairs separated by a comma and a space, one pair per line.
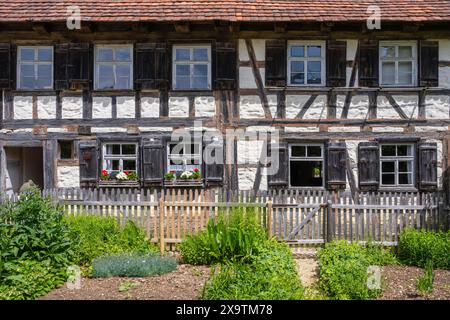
296, 216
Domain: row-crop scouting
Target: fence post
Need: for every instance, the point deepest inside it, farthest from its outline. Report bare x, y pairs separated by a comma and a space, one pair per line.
269, 218
329, 223
162, 213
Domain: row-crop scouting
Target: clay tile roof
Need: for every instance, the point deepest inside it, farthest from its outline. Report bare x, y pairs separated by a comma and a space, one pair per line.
229, 10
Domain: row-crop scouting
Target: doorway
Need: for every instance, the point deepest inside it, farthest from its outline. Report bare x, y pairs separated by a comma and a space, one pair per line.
23, 164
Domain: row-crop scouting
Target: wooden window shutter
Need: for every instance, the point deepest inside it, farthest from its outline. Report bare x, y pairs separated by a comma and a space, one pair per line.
429, 64
336, 165
80, 67
5, 66
336, 63
368, 63
280, 177
276, 59
369, 166
151, 65
88, 155
60, 63
427, 154
213, 172
224, 65
153, 162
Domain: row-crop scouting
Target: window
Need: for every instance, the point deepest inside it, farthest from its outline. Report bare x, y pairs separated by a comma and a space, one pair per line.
35, 68
192, 67
65, 149
397, 164
119, 157
114, 67
398, 63
306, 63
306, 165
184, 157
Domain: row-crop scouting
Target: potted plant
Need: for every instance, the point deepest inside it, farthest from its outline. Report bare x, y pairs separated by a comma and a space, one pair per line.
127, 178
185, 178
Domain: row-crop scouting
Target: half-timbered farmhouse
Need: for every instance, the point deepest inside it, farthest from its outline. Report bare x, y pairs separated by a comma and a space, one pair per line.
356, 108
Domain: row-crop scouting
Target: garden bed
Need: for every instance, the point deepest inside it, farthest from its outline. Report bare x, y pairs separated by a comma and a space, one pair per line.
186, 283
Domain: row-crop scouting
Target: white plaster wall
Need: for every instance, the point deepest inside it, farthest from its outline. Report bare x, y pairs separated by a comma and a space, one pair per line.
248, 152
352, 46
246, 78
352, 149
72, 107
344, 129
46, 107
101, 108
250, 107
108, 129
259, 45
149, 107
444, 77
246, 178
437, 107
409, 105
431, 128
358, 109
23, 107
300, 129
387, 129
126, 107
243, 53
444, 49
294, 104
155, 129
68, 176
439, 159
205, 106
318, 110
178, 107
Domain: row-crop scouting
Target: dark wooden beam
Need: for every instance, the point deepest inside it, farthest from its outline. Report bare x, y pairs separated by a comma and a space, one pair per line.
279, 27
396, 107
182, 27
306, 106
40, 28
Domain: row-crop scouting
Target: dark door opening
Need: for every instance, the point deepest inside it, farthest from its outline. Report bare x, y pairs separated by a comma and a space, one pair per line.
23, 164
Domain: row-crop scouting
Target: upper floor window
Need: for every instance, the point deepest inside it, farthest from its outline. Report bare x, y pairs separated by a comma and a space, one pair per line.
114, 67
306, 165
398, 63
397, 165
306, 63
191, 67
35, 67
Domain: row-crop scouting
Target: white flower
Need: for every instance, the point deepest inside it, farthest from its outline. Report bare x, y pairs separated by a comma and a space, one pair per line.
121, 176
186, 174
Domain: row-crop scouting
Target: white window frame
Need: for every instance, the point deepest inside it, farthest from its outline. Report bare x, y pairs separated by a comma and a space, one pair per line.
306, 158
119, 157
396, 60
322, 59
190, 63
114, 63
184, 157
396, 159
35, 64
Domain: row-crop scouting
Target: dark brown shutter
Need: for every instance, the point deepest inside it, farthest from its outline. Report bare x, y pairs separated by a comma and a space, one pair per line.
89, 158
276, 68
80, 66
13, 67
336, 63
279, 178
213, 172
153, 162
369, 166
427, 166
151, 65
429, 64
60, 62
368, 63
224, 65
336, 166
5, 65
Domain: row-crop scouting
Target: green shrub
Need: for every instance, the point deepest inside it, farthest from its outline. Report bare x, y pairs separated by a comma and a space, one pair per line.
232, 236
344, 271
417, 247
270, 275
132, 265
380, 256
95, 236
425, 283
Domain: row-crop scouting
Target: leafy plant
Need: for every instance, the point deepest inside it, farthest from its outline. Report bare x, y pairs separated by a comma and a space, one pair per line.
170, 175
132, 265
127, 285
425, 283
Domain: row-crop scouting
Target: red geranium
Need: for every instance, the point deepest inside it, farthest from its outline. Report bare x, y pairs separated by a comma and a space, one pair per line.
126, 172
104, 172
196, 170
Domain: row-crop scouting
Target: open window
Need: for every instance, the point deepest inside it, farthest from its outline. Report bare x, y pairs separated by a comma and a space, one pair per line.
306, 165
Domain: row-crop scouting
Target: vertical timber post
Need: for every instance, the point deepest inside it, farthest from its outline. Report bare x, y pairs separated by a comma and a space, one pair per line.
329, 223
269, 219
162, 213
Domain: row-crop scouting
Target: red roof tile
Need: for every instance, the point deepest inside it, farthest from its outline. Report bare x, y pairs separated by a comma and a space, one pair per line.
231, 10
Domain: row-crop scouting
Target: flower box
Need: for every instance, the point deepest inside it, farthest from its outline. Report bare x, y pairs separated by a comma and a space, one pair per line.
183, 182
119, 183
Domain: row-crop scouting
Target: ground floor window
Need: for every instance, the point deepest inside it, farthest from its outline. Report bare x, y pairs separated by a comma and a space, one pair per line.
184, 157
118, 159
306, 165
397, 164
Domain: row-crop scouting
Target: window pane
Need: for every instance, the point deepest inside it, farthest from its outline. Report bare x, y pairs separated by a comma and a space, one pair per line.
201, 70
388, 166
26, 54
42, 83
388, 179
314, 151
27, 70
123, 77
27, 82
314, 78
129, 165
199, 82
297, 51
128, 149
387, 52
404, 150
405, 52
297, 66
123, 54
106, 76
200, 54
314, 51
182, 70
113, 149
45, 54
405, 178
405, 73
298, 151
115, 164
297, 78
182, 54
388, 73
388, 150
306, 173
183, 82
405, 166
105, 54
314, 66
44, 79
